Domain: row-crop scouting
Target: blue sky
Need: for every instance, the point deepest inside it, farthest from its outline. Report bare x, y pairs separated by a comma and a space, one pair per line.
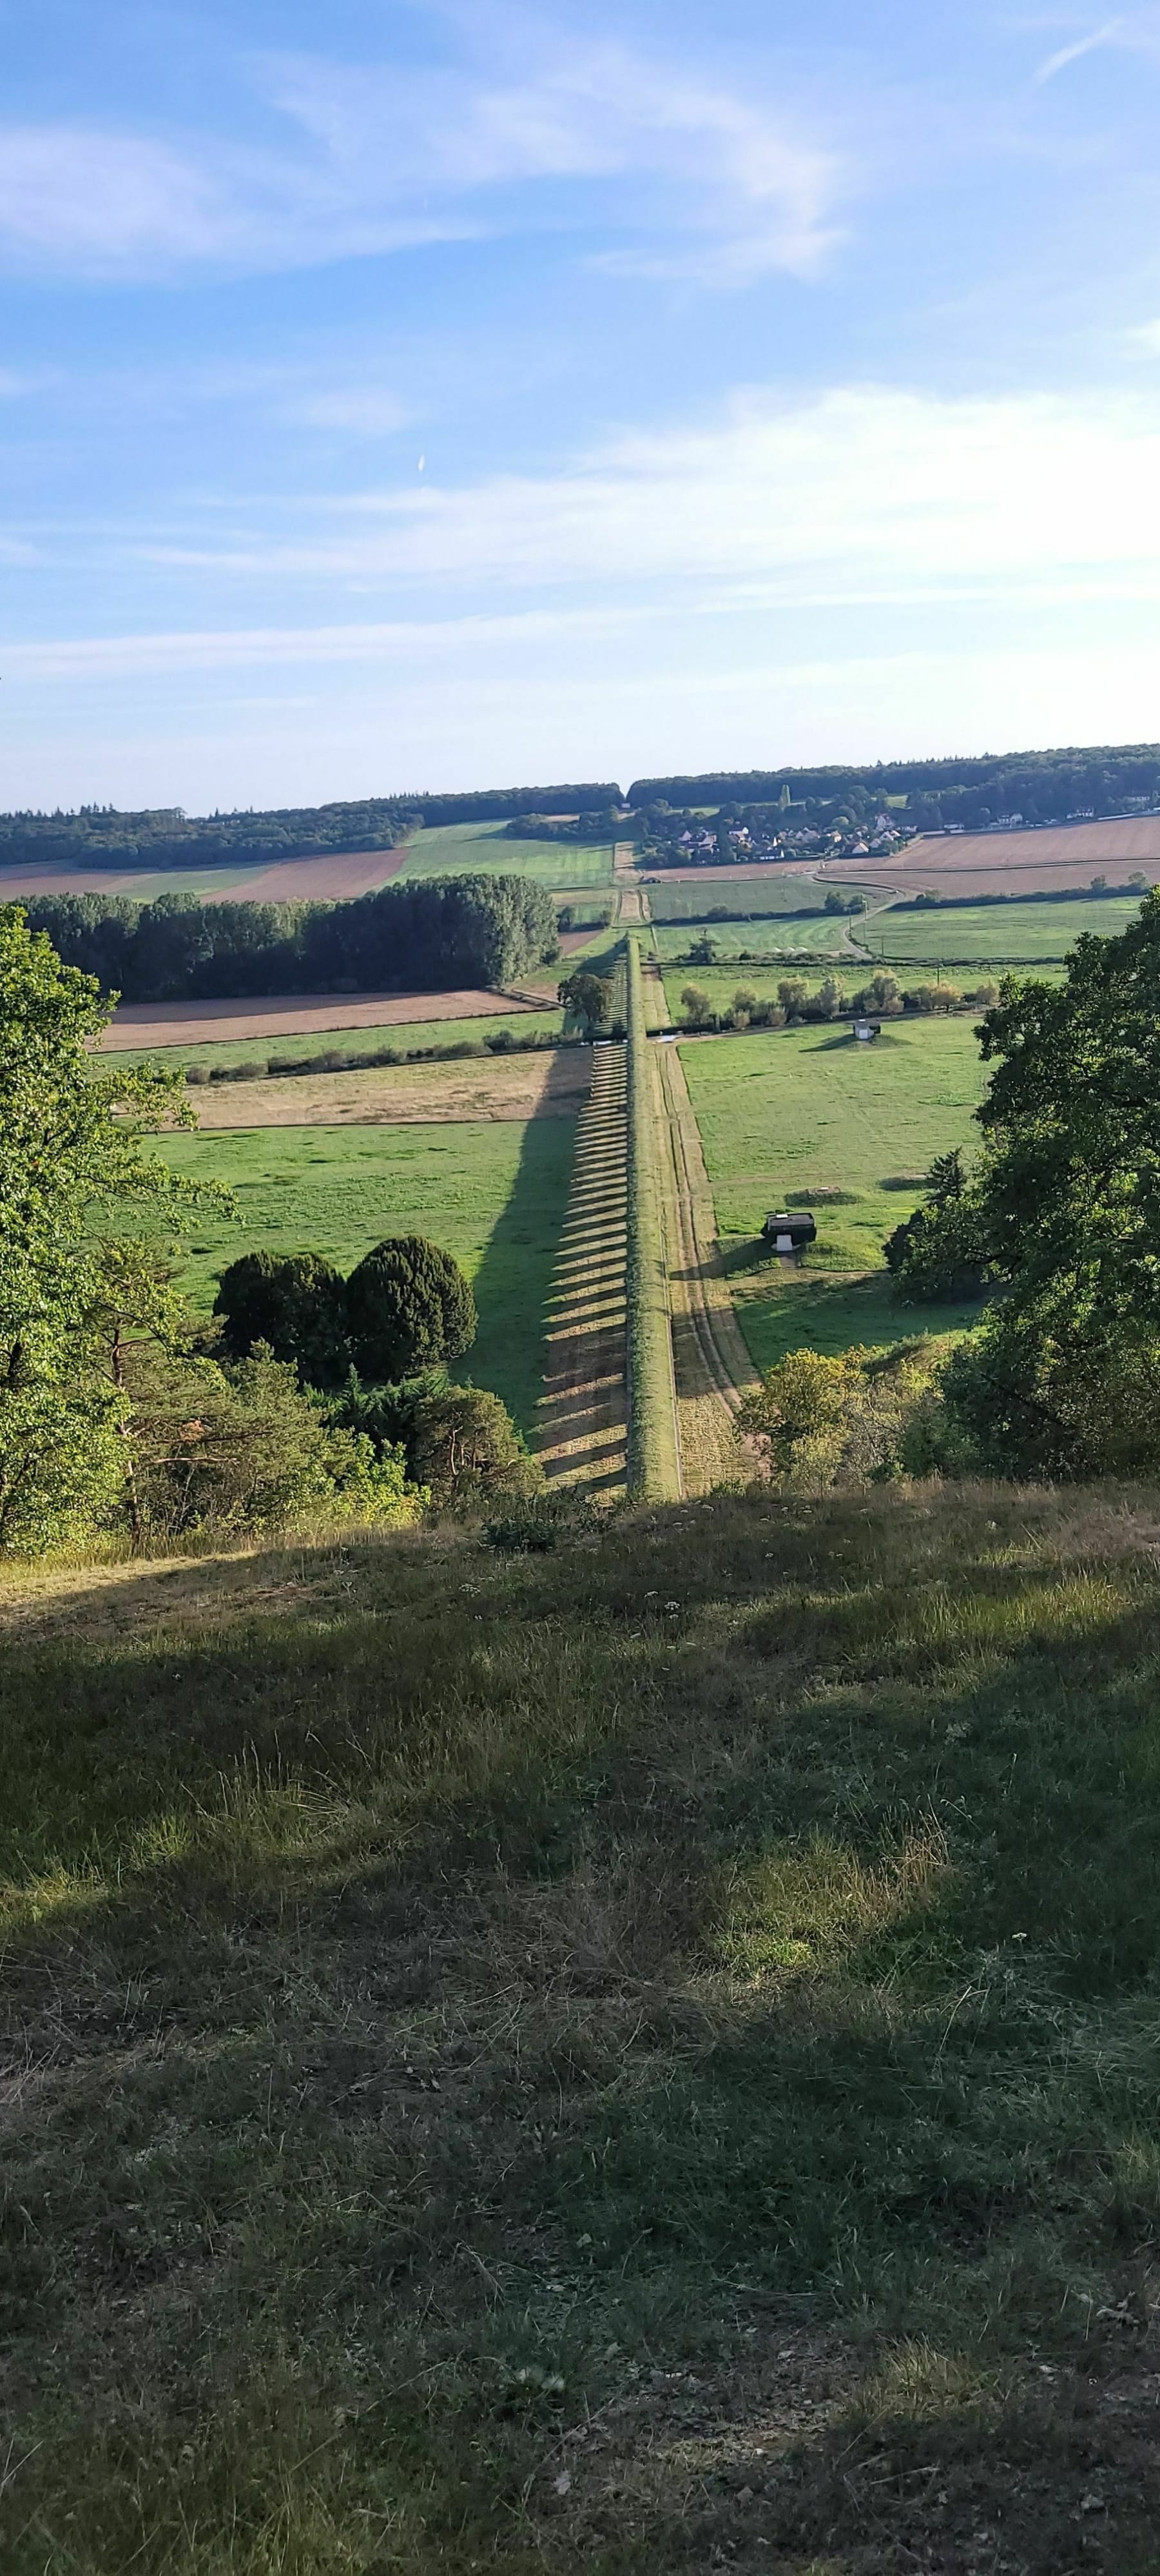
399, 396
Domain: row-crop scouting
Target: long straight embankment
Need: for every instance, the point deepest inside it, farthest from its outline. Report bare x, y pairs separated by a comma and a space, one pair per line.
654, 1471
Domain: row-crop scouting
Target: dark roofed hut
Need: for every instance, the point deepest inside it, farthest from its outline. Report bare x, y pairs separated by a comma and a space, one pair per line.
790, 1229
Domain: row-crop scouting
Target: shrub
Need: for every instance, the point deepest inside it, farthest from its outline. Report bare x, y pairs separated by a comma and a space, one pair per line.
408, 1306
465, 1449
294, 1304
244, 1448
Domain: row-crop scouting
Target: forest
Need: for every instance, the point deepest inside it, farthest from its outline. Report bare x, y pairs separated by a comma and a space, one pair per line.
1039, 786
434, 935
100, 836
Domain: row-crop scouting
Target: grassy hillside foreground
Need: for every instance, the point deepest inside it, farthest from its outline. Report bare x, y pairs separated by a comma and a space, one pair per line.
636, 2060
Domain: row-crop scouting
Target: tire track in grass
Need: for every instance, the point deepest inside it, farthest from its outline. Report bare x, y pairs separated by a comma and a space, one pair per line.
712, 1366
583, 1428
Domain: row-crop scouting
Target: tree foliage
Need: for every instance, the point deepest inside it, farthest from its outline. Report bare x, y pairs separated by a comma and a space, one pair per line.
936, 1255
293, 1302
431, 935
1062, 1377
587, 998
408, 1307
859, 1416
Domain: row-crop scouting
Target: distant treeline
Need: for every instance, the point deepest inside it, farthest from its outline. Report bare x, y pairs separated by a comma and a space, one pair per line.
100, 837
590, 825
1041, 786
427, 937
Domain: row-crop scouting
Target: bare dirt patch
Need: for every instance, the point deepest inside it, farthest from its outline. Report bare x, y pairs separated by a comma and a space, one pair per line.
546, 1085
286, 1015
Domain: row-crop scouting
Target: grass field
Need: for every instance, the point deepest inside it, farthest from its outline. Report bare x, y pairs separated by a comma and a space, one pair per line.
402, 1034
494, 1195
669, 900
995, 933
638, 2061
810, 1110
564, 866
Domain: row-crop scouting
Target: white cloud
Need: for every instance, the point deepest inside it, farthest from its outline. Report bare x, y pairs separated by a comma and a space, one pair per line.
1074, 53
868, 490
727, 167
76, 198
379, 157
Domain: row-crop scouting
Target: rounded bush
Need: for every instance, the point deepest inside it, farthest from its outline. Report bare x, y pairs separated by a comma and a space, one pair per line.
408, 1306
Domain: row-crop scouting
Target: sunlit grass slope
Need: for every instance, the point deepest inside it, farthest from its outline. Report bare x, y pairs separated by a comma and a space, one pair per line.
460, 847
640, 2060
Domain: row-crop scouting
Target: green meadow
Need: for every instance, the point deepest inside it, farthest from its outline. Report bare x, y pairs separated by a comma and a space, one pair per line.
765, 938
670, 899
997, 933
493, 1193
807, 1111
468, 847
404, 1034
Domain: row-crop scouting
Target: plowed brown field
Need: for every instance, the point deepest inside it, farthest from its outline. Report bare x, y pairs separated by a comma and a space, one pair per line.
291, 1015
550, 1085
322, 879
1059, 857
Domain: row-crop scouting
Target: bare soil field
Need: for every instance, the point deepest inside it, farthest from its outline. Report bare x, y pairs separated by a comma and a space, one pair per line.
551, 1085
322, 878
289, 1015
327, 877
1056, 858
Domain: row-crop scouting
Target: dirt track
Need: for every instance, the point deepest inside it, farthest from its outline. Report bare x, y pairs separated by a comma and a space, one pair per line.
547, 1085
184, 1024
711, 1364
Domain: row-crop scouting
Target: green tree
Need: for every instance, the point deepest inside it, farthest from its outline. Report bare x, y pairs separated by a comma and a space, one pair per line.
293, 1302
408, 1306
856, 1417
465, 1449
792, 992
587, 998
936, 1254
696, 1005
882, 995
830, 998
1063, 1376
71, 1168
245, 1448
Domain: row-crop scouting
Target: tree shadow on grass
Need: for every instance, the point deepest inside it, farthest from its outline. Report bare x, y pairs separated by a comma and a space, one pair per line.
513, 1282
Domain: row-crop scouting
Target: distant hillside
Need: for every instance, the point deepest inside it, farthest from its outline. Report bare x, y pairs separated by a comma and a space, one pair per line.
1039, 786
102, 837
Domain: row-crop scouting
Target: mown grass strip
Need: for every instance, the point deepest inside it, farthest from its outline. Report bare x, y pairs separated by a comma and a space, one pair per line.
653, 1464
